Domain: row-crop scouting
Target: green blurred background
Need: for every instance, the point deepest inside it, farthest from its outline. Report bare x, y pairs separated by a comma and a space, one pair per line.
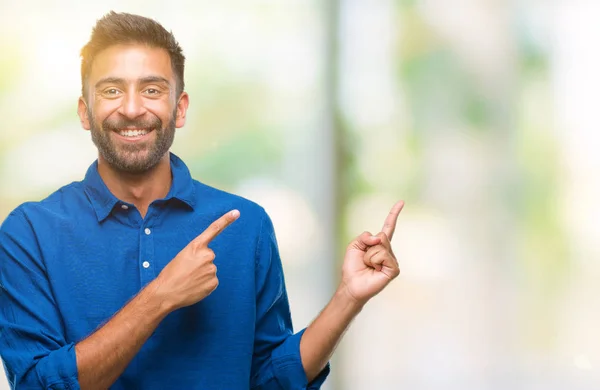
479, 114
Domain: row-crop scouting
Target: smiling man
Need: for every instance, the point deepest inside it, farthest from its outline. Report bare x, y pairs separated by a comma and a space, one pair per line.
112, 282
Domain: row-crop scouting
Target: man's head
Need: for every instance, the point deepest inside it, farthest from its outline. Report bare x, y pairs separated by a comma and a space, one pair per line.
132, 91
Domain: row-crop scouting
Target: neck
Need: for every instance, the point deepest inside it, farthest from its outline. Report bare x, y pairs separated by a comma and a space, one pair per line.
140, 189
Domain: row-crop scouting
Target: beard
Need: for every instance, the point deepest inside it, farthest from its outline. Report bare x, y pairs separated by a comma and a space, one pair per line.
134, 158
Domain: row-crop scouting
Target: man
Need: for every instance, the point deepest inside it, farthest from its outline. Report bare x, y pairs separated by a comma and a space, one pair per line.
139, 277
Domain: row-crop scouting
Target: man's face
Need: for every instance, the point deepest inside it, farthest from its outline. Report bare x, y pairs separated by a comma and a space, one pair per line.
131, 109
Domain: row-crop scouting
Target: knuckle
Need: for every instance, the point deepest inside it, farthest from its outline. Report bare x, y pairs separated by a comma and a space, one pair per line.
197, 247
374, 250
208, 254
194, 245
384, 245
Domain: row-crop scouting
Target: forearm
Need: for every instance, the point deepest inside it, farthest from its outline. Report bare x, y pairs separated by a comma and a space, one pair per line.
323, 335
104, 355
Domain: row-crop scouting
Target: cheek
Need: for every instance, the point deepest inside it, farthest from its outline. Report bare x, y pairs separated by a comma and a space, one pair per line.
161, 110
103, 110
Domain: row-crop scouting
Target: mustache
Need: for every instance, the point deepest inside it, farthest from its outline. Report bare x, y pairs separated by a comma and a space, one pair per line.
120, 124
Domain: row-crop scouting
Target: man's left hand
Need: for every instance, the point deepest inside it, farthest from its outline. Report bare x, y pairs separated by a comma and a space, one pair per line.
369, 263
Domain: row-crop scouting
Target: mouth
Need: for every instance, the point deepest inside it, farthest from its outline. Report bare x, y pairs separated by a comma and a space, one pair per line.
133, 134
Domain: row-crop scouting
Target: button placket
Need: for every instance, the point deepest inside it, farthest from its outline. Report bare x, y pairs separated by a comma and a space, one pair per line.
146, 255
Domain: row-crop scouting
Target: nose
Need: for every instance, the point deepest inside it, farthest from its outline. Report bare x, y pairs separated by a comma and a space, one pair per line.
132, 106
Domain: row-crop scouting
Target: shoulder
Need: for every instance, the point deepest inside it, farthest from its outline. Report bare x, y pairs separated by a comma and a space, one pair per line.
62, 204
218, 198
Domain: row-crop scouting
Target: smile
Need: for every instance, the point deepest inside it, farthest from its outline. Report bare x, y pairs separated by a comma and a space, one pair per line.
133, 133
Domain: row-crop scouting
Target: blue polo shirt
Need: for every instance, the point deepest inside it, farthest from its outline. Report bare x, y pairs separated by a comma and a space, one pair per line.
69, 262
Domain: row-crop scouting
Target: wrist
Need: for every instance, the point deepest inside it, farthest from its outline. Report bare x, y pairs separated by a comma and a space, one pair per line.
346, 299
154, 296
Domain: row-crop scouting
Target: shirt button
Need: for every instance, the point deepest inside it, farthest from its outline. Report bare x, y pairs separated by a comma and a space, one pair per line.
124, 206
145, 264
147, 231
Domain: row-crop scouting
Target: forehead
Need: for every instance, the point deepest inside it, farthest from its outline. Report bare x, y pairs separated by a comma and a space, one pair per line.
131, 62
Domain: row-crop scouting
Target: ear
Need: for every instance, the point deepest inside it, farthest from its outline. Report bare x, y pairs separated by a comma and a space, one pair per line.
182, 106
82, 111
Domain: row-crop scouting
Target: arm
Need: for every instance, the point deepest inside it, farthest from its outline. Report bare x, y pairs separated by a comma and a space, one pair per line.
33, 347
283, 360
103, 356
369, 265
276, 361
32, 344
187, 279
322, 336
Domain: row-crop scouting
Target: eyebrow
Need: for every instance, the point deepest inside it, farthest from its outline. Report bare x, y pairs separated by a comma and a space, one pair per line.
142, 80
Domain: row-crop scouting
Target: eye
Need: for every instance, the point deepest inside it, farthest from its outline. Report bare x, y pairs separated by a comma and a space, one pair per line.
111, 92
152, 92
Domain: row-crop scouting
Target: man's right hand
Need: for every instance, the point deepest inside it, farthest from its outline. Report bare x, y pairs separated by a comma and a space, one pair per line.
192, 275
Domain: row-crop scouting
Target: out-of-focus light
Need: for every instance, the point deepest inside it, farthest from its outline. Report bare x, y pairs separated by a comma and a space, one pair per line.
295, 222
582, 362
47, 161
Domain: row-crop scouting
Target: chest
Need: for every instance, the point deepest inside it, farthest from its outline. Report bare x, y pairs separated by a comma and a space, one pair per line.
95, 269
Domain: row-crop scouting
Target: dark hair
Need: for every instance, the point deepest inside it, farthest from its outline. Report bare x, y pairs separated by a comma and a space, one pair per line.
123, 28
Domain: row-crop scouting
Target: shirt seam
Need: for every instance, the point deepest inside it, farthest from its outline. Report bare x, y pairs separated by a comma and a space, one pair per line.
259, 241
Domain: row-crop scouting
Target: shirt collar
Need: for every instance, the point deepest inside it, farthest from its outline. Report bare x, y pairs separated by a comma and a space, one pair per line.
182, 187
103, 201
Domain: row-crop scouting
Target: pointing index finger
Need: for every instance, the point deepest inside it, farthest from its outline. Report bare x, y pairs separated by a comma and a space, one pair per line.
390, 222
215, 228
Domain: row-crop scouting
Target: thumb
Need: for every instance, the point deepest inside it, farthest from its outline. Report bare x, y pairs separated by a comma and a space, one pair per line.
364, 241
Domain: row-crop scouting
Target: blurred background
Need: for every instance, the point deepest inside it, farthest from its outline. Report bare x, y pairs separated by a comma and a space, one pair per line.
480, 114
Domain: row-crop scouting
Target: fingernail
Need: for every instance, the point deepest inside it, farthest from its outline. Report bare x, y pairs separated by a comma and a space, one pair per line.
235, 213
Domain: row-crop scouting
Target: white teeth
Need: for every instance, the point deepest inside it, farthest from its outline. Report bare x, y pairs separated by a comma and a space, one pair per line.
133, 133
